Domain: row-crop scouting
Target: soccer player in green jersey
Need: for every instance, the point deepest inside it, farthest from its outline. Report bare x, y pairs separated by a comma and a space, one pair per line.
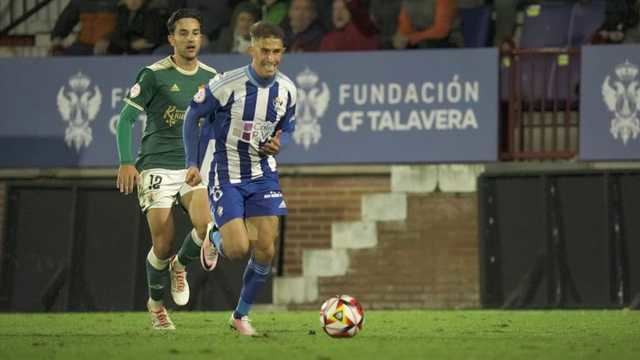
163, 91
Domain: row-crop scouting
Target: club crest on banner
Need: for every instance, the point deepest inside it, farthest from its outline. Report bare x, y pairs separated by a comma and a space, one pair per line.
622, 97
78, 105
312, 102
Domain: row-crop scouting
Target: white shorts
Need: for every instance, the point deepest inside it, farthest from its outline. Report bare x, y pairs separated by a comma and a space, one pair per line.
159, 188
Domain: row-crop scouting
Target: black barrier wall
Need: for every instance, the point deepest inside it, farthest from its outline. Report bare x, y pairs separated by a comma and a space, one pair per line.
81, 246
559, 239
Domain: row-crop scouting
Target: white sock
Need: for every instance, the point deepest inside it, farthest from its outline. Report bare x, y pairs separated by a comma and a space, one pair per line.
158, 264
196, 239
155, 305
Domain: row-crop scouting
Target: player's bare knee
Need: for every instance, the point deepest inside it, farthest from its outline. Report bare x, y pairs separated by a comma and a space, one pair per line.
237, 251
200, 222
270, 233
162, 251
265, 254
162, 245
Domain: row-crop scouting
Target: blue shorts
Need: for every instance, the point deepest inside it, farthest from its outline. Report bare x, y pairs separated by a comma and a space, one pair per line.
261, 197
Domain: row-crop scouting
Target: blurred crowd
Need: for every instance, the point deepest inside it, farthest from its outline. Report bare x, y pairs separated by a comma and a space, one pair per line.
138, 26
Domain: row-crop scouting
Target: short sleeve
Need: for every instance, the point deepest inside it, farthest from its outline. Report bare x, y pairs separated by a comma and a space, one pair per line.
141, 93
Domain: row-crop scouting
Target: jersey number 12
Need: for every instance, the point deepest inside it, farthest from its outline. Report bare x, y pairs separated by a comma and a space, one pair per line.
154, 183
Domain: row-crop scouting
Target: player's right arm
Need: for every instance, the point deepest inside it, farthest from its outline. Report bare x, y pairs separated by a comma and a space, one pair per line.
135, 102
127, 173
202, 104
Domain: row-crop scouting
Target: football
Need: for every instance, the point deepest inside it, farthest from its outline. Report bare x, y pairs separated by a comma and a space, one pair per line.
341, 316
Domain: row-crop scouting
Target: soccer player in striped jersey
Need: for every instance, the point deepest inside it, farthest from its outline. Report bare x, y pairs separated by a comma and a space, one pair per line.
251, 110
163, 91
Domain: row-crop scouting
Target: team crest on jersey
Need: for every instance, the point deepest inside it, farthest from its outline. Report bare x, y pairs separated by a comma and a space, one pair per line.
313, 100
623, 100
78, 105
279, 104
199, 96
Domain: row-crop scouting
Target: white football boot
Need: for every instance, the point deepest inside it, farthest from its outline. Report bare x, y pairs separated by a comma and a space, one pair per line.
179, 285
160, 319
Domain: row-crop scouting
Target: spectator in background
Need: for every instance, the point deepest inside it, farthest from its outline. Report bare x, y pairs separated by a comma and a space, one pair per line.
303, 31
506, 13
621, 17
274, 11
632, 36
506, 19
236, 38
97, 20
324, 9
138, 29
428, 24
384, 14
215, 17
465, 4
350, 32
164, 8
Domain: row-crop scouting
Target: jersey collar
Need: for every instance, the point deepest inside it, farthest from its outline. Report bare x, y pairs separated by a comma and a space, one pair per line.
257, 80
183, 71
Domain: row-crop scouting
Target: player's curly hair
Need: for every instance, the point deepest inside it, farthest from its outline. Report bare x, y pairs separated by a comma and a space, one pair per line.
263, 29
185, 13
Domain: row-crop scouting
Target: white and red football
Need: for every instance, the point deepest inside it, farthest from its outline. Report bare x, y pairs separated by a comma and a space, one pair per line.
341, 316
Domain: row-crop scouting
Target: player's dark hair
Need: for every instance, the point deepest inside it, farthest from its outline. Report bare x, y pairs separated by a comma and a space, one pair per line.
263, 29
184, 13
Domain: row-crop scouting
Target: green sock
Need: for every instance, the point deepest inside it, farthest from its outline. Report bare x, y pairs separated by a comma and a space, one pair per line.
190, 249
157, 275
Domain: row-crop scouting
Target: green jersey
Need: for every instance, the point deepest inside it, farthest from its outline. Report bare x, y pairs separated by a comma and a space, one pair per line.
164, 91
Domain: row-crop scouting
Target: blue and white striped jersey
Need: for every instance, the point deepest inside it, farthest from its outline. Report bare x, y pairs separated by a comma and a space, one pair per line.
241, 112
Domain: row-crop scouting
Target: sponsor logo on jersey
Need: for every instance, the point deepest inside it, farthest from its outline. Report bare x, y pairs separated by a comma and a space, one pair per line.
272, 194
172, 115
78, 104
175, 88
256, 133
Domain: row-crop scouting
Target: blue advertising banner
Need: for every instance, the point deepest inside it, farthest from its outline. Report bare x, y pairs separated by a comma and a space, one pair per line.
610, 103
62, 112
375, 107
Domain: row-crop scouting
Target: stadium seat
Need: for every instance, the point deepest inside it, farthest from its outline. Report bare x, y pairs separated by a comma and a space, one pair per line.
546, 25
586, 18
476, 24
561, 24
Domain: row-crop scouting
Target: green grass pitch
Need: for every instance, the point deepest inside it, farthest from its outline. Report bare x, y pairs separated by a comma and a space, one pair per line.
423, 334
